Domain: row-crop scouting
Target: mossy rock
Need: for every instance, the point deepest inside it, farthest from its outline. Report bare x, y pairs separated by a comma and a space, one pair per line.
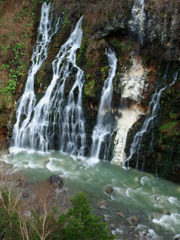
169, 128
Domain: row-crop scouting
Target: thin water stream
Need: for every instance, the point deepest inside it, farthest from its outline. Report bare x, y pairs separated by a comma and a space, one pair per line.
102, 132
140, 207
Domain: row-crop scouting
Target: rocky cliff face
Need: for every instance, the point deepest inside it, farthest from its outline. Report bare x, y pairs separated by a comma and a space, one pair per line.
18, 27
110, 24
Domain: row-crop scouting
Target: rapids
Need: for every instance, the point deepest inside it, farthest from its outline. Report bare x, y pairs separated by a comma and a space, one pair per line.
140, 204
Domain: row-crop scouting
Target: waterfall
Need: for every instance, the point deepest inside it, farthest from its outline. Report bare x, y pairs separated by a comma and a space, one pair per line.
154, 105
47, 28
136, 23
73, 134
52, 126
103, 129
73, 127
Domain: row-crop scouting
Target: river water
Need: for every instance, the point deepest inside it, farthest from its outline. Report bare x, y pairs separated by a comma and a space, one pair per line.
140, 207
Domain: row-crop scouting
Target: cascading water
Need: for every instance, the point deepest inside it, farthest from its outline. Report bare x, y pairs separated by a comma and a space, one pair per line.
103, 129
53, 126
136, 23
73, 128
154, 105
47, 28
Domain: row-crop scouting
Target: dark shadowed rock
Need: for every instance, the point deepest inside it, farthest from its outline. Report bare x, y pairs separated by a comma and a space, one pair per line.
109, 190
25, 195
48, 68
133, 219
56, 179
176, 237
103, 203
21, 183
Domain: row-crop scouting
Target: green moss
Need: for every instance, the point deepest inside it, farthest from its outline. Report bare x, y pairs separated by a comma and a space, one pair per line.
174, 116
169, 128
115, 43
89, 89
104, 72
4, 118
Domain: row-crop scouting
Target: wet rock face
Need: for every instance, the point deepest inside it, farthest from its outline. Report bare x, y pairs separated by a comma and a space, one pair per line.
115, 23
159, 29
159, 150
3, 138
165, 32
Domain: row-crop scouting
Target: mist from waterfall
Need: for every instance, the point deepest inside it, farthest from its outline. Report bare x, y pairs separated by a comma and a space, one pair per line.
101, 136
47, 28
148, 123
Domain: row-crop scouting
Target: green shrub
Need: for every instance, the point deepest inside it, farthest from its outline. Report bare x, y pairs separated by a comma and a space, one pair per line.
79, 223
9, 220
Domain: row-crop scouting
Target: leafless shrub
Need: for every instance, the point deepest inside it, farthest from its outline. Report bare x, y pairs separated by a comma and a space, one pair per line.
36, 214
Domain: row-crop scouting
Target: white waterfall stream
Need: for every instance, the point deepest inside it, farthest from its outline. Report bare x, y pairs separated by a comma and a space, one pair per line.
47, 28
103, 129
52, 126
136, 23
154, 105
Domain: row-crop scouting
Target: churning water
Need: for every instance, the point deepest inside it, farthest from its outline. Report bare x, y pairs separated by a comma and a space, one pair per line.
139, 205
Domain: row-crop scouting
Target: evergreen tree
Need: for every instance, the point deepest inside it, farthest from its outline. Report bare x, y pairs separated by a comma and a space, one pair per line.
80, 224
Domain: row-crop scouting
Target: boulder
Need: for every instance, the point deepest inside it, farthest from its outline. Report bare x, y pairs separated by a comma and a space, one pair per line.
103, 203
133, 219
121, 214
21, 183
109, 190
176, 237
56, 179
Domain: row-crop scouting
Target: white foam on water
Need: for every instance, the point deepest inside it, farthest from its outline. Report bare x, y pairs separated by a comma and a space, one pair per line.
92, 161
50, 165
117, 230
170, 222
174, 200
131, 192
160, 201
16, 150
144, 180
106, 217
33, 165
151, 235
